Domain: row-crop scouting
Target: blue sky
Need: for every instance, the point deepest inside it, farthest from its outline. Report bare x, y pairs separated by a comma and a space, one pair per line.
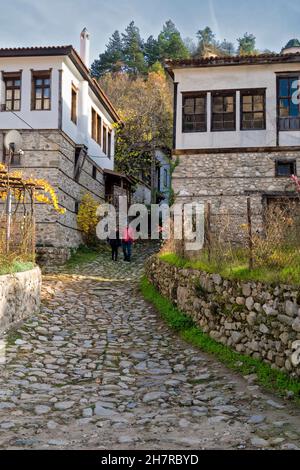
55, 22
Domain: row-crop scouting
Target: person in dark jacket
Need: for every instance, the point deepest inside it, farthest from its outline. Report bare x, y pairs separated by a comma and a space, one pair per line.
115, 243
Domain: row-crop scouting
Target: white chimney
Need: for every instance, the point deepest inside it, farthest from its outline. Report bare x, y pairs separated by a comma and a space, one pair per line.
85, 47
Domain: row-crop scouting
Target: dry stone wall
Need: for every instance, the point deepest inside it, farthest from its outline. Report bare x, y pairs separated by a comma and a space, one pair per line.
256, 319
19, 297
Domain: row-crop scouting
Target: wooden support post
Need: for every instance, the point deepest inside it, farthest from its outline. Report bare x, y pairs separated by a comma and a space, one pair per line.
208, 229
250, 239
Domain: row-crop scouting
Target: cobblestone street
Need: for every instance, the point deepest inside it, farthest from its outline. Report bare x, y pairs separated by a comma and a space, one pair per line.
98, 369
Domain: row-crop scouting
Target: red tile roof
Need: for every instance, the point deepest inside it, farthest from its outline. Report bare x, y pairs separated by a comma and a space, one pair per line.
232, 60
38, 51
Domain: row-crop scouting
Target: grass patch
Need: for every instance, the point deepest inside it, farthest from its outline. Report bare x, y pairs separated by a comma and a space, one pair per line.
239, 269
16, 267
12, 337
271, 379
83, 255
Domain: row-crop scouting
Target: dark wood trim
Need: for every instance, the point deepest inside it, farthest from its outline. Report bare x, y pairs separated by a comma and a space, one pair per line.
285, 161
235, 150
193, 95
42, 74
278, 78
277, 113
223, 93
224, 90
175, 102
252, 91
11, 75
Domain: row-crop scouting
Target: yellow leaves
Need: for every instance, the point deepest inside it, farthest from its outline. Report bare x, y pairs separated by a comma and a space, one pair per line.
87, 218
36, 189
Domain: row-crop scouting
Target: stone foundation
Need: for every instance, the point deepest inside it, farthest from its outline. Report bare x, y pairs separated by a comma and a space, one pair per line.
226, 179
49, 256
256, 319
19, 297
50, 155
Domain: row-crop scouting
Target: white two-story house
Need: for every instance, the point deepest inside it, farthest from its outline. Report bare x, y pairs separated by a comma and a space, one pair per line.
237, 131
67, 127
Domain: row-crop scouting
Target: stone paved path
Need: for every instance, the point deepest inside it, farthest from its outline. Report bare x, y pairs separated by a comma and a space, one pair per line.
98, 369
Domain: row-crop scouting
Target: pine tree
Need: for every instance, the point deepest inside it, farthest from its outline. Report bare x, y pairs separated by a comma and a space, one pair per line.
206, 41
170, 43
247, 44
226, 47
151, 49
133, 50
112, 60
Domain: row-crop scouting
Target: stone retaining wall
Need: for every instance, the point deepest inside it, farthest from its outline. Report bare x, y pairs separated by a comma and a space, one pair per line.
19, 296
256, 319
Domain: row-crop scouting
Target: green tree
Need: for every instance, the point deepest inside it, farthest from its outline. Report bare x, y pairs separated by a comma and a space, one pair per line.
133, 50
226, 48
206, 41
145, 106
246, 44
151, 49
112, 60
170, 43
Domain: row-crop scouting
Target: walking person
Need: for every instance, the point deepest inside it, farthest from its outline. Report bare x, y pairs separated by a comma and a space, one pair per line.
127, 241
115, 243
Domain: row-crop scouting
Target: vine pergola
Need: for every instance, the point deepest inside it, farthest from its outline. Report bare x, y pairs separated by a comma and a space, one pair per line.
18, 196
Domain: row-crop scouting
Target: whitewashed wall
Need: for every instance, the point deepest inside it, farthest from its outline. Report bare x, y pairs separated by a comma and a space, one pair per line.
80, 133
233, 77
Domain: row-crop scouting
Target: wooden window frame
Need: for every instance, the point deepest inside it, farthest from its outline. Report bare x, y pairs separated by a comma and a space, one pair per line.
41, 75
223, 94
293, 166
74, 104
194, 96
96, 124
252, 92
12, 76
166, 177
104, 132
99, 130
109, 143
293, 76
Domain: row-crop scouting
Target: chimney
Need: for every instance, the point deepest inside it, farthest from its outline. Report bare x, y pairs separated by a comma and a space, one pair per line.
85, 47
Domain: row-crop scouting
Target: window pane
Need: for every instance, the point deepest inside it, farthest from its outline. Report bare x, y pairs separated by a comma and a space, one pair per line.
17, 94
38, 81
200, 106
47, 81
284, 87
189, 106
228, 104
294, 109
47, 92
46, 104
38, 104
258, 103
38, 93
218, 104
284, 108
17, 105
8, 105
247, 107
17, 83
248, 117
247, 99
9, 83
9, 94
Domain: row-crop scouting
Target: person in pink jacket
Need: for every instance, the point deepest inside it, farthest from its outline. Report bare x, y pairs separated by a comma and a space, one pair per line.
127, 241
